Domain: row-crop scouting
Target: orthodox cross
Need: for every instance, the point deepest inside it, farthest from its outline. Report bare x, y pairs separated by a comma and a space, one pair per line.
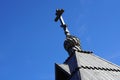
59, 13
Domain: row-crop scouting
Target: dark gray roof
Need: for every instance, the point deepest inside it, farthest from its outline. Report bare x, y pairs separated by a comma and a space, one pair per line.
87, 66
96, 68
92, 60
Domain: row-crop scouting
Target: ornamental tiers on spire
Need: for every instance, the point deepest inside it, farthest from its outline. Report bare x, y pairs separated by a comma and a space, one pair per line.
71, 43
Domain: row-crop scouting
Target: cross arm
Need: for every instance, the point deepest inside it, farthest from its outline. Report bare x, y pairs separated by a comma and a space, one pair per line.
59, 12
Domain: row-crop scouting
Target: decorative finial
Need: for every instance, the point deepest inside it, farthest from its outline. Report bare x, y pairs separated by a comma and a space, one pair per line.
71, 43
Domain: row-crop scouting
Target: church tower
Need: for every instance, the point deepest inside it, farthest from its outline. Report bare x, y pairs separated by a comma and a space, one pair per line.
82, 65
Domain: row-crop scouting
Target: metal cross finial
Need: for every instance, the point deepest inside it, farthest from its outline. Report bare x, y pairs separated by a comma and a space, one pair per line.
71, 43
59, 13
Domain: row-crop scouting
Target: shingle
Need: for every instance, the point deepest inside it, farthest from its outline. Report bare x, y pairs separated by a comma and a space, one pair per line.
96, 68
98, 75
92, 60
87, 66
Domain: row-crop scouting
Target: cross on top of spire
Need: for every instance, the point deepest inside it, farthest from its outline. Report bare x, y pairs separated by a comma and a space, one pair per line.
71, 43
59, 13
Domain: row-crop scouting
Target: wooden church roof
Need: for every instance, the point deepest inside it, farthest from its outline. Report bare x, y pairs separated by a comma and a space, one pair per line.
87, 66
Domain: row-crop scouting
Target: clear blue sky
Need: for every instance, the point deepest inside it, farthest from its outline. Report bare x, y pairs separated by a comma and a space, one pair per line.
31, 42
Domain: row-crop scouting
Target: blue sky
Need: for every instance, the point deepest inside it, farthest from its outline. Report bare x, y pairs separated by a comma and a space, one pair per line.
31, 42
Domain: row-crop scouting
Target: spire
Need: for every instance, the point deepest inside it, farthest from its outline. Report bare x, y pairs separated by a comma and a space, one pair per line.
71, 43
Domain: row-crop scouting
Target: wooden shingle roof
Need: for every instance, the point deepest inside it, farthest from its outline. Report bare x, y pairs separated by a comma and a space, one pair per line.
87, 66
